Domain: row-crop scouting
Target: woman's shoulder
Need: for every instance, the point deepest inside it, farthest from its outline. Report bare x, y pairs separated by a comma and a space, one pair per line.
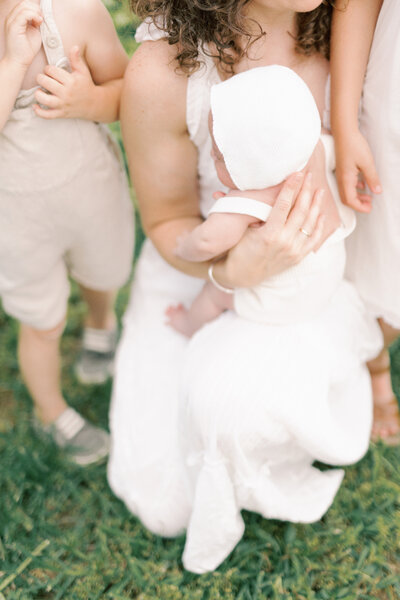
153, 83
157, 57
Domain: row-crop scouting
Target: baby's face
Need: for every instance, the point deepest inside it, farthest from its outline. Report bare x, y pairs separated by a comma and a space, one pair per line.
218, 159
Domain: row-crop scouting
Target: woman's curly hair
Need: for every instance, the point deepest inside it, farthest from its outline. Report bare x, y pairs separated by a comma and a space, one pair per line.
194, 24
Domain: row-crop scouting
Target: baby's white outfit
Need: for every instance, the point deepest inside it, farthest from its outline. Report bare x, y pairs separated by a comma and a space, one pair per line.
374, 249
302, 291
64, 205
233, 418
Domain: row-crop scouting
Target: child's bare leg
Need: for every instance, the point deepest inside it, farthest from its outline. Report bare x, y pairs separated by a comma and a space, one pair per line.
101, 313
96, 361
40, 367
207, 306
386, 424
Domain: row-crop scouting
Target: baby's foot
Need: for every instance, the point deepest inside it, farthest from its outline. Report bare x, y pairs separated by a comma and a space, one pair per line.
179, 319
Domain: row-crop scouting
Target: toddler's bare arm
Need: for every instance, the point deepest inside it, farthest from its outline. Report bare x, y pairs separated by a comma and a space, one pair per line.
214, 237
93, 89
22, 43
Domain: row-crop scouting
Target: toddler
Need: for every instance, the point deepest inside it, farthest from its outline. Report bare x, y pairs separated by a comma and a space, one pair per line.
265, 125
64, 200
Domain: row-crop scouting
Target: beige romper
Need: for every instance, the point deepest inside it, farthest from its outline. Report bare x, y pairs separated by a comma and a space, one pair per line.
64, 205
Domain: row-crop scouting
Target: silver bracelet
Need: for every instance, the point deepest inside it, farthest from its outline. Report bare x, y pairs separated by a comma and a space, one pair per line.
219, 287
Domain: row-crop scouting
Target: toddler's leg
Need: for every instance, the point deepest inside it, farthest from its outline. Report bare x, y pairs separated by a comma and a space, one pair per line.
95, 364
207, 306
101, 313
40, 366
386, 424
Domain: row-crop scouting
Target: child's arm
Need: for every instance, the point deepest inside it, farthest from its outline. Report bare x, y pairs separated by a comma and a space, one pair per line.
214, 237
93, 89
22, 43
352, 32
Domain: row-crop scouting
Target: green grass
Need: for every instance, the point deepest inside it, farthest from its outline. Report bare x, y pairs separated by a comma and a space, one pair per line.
63, 535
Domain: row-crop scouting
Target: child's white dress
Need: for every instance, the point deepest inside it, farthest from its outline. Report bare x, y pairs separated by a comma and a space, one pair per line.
374, 249
234, 418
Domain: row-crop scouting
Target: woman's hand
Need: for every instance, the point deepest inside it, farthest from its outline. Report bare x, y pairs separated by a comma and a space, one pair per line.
294, 229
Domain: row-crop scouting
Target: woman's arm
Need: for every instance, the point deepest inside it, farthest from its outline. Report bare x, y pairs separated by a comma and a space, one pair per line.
352, 32
162, 158
163, 164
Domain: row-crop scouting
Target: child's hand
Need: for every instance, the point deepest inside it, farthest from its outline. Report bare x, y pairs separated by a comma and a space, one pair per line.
69, 94
23, 39
355, 168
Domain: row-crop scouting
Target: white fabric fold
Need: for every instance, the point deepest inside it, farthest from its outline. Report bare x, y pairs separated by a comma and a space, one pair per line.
240, 205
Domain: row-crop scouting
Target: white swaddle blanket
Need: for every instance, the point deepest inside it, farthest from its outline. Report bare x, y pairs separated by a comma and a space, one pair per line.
266, 124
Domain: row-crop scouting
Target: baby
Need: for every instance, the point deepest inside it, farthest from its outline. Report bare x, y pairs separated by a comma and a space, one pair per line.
264, 125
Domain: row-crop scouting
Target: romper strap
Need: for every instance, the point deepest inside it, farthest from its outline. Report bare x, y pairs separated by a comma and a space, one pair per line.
51, 39
239, 205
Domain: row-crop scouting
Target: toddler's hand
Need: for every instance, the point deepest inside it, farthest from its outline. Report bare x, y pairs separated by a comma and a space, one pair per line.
23, 39
69, 94
355, 167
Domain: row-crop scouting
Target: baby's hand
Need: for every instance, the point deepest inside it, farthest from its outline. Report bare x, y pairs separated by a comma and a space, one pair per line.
69, 94
355, 168
22, 34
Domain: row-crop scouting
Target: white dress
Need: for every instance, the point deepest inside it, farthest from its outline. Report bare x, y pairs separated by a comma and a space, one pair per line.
374, 249
234, 418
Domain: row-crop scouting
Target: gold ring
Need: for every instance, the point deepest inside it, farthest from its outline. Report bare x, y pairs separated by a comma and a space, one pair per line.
305, 232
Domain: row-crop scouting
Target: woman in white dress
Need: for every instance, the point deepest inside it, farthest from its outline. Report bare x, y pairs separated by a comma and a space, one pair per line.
234, 418
374, 248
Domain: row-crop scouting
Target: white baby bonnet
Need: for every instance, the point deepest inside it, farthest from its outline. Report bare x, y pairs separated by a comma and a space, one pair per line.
266, 124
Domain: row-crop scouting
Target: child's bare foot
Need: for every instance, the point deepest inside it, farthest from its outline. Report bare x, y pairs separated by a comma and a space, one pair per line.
386, 425
179, 319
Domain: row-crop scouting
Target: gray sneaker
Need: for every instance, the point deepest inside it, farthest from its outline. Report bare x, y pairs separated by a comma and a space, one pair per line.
96, 361
85, 443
